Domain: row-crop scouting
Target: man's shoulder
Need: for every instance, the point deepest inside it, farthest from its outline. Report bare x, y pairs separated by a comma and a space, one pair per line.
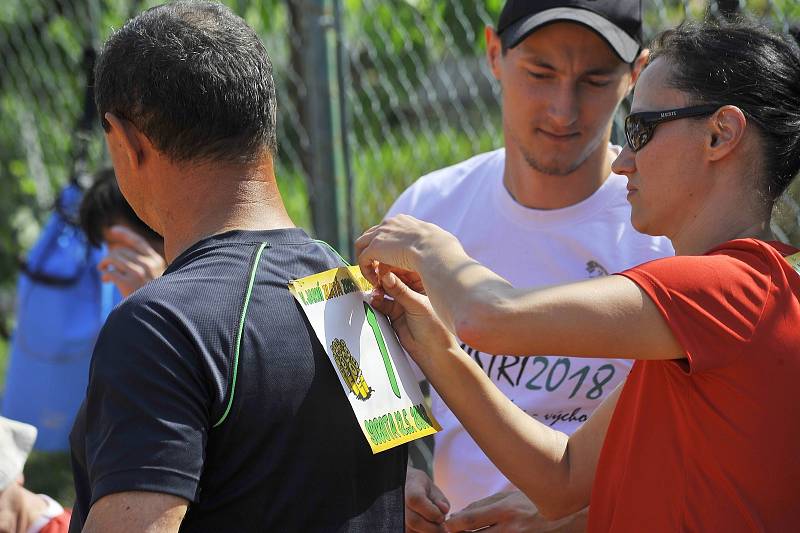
185, 294
183, 289
151, 311
450, 182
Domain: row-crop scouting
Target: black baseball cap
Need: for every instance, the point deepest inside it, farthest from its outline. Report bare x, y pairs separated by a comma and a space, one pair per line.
618, 22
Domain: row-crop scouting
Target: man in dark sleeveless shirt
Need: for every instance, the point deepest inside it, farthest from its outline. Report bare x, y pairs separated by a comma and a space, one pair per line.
211, 405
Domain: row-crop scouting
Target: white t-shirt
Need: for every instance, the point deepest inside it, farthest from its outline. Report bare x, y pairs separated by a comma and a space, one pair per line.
529, 248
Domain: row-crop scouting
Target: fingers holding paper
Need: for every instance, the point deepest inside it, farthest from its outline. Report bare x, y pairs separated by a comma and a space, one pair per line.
413, 319
400, 244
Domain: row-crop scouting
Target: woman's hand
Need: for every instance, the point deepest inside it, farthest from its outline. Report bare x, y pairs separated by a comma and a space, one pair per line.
418, 328
399, 245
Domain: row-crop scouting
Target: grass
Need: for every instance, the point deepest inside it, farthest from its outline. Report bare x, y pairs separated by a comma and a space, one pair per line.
383, 173
382, 169
50, 473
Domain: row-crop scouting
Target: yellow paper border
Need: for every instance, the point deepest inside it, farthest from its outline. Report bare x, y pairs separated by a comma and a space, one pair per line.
330, 284
322, 289
432, 426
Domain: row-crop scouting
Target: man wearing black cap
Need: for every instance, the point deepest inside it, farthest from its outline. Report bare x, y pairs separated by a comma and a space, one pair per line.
544, 210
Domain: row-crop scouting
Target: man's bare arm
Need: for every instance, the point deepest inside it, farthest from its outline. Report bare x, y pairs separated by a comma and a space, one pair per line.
136, 512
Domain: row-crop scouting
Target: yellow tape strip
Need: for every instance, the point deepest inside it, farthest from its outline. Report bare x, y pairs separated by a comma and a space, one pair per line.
399, 427
329, 284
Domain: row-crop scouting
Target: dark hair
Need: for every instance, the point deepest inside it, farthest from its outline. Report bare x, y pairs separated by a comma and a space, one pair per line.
103, 206
744, 64
195, 79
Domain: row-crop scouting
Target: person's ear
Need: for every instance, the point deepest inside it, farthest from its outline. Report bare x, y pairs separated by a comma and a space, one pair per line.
126, 138
494, 50
726, 128
639, 63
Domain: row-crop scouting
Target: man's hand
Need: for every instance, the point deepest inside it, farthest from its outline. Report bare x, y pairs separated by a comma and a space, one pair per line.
426, 506
509, 512
131, 261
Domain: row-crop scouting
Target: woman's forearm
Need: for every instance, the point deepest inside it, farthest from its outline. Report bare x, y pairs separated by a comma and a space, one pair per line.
464, 293
533, 456
556, 472
607, 317
459, 288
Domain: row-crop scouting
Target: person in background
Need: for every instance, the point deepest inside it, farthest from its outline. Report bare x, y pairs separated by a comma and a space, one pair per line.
20, 509
704, 432
135, 251
546, 209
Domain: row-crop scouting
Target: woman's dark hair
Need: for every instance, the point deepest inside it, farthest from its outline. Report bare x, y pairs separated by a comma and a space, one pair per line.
103, 206
744, 64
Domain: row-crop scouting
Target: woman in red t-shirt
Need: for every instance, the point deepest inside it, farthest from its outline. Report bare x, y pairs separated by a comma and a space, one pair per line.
703, 434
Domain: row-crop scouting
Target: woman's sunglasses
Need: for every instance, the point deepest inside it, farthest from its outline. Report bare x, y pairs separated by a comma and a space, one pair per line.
639, 127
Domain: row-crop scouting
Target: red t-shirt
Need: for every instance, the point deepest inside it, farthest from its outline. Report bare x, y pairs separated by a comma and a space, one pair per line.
710, 443
59, 524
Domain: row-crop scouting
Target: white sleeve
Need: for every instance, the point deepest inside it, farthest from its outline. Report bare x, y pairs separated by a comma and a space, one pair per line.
406, 203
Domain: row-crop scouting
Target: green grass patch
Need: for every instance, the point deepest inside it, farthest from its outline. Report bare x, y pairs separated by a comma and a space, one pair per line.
382, 174
295, 195
50, 473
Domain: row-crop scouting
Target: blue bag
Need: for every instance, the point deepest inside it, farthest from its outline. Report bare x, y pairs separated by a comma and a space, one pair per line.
61, 305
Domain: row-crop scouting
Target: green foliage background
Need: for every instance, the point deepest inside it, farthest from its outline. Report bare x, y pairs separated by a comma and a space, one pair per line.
393, 45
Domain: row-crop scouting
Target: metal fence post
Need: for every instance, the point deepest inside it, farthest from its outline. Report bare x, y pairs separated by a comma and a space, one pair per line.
321, 177
343, 83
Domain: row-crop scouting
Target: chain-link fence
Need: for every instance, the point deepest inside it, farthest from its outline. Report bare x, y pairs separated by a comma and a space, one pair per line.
372, 94
420, 95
